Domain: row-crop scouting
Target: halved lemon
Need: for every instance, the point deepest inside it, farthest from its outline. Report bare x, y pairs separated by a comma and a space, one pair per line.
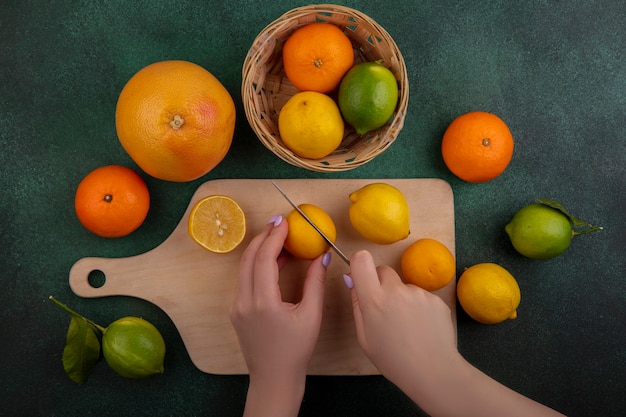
217, 223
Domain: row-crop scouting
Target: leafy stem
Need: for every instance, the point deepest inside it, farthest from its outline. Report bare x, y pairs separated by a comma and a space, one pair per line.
75, 314
583, 226
82, 345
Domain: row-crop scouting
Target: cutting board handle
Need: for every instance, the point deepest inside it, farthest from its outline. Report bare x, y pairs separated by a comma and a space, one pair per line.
115, 272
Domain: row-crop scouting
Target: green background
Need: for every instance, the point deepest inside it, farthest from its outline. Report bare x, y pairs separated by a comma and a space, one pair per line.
555, 71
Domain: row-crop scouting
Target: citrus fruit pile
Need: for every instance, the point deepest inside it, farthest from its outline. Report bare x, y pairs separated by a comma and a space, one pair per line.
319, 61
380, 214
176, 121
478, 147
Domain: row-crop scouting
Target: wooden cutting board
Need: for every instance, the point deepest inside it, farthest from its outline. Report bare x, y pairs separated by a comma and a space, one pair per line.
195, 287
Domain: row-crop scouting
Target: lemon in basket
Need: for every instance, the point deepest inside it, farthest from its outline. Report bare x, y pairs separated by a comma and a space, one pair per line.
217, 223
310, 124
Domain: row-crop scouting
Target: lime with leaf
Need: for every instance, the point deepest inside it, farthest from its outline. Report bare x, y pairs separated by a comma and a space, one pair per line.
131, 346
545, 229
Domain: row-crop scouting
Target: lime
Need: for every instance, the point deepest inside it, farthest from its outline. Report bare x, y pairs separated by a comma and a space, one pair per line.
368, 95
539, 232
133, 348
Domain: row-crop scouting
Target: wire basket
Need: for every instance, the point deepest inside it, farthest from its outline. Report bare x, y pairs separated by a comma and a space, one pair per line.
265, 87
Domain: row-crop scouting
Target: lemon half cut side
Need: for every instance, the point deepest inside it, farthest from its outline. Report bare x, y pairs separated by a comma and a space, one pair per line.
217, 223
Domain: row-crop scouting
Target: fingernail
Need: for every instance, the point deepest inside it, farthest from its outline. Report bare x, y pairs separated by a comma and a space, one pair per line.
326, 259
276, 219
348, 281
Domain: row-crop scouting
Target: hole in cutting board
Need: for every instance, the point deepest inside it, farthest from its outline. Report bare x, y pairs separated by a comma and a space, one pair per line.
96, 278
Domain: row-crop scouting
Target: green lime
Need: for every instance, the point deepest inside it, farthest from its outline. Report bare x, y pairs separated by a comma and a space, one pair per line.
368, 95
540, 232
133, 348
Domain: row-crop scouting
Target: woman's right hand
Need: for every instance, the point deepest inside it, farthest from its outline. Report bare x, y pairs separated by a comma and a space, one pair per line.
408, 333
399, 327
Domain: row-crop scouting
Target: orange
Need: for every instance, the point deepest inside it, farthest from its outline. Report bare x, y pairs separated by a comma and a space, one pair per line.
317, 56
112, 201
428, 263
302, 240
175, 120
217, 223
477, 146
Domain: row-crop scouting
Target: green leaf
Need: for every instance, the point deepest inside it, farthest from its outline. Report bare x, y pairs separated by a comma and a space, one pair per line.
576, 222
82, 349
554, 204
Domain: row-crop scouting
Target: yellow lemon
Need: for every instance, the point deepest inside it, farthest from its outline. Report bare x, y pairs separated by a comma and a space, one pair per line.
303, 241
428, 263
217, 223
380, 213
488, 293
310, 125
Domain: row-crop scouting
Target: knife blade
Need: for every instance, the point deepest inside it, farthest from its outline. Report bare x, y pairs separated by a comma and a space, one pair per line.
317, 229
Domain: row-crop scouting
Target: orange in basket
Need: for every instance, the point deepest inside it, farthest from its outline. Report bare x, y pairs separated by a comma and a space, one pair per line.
317, 56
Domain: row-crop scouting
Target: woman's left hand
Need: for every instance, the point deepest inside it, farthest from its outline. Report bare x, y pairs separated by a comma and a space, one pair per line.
277, 338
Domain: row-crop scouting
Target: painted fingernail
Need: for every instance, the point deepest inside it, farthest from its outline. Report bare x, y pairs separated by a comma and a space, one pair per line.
326, 259
348, 281
276, 219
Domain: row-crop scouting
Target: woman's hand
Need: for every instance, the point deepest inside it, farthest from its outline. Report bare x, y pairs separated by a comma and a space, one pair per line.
277, 338
408, 333
400, 327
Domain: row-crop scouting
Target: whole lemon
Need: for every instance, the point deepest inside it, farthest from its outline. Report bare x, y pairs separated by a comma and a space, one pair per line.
133, 348
368, 95
488, 293
428, 263
302, 240
380, 213
310, 124
539, 232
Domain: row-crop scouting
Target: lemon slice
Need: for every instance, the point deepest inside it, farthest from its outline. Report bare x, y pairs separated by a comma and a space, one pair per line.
217, 223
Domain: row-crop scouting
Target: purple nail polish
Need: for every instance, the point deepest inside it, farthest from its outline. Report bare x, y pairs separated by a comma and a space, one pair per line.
326, 259
348, 281
276, 219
